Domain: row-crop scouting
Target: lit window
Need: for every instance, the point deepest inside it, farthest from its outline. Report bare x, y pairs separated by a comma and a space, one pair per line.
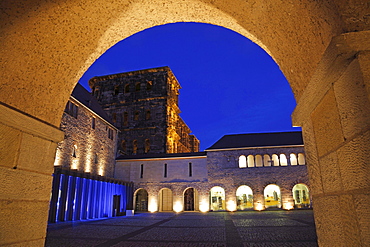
275, 160
242, 161
301, 159
293, 160
267, 160
283, 160
259, 162
250, 160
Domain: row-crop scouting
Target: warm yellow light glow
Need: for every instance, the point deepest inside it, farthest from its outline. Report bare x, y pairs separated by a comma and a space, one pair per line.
74, 164
58, 158
153, 206
259, 206
203, 206
88, 162
177, 207
231, 206
101, 171
288, 205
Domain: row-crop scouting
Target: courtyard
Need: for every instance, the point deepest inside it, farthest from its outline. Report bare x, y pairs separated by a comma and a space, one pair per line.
242, 228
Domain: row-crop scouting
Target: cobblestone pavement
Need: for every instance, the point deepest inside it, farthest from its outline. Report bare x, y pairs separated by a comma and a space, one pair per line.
248, 228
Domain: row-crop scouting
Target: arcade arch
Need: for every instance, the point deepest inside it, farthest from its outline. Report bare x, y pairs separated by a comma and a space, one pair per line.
191, 199
53, 54
301, 196
244, 197
217, 199
141, 200
165, 200
272, 196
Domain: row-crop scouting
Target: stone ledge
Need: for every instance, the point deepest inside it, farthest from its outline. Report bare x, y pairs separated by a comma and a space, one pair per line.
28, 124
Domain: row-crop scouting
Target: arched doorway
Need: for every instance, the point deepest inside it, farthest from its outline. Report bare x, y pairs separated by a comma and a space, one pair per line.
244, 197
165, 200
217, 199
301, 196
272, 196
191, 199
141, 200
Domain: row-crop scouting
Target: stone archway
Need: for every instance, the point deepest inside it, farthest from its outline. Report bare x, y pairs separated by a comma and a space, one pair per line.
47, 46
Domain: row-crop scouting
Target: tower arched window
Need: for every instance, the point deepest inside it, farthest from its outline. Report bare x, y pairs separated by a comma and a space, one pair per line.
134, 147
275, 159
149, 85
137, 87
123, 146
283, 160
116, 90
266, 160
125, 118
293, 159
147, 115
259, 162
301, 159
147, 146
127, 88
136, 116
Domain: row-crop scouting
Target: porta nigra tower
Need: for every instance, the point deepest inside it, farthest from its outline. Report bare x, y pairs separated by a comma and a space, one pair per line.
143, 105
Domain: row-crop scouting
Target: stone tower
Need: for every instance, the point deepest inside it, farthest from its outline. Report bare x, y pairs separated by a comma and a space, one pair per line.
143, 105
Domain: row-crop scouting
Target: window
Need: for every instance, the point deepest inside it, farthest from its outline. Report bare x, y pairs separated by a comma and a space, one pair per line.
250, 160
127, 88
93, 123
283, 160
74, 151
71, 109
136, 116
141, 170
147, 115
242, 161
147, 146
293, 159
125, 118
267, 160
165, 171
114, 117
137, 87
110, 133
301, 159
134, 147
123, 146
96, 160
190, 169
275, 159
116, 90
259, 162
149, 85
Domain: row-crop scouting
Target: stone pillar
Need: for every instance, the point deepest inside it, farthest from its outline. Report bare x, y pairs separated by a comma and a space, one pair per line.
334, 113
27, 155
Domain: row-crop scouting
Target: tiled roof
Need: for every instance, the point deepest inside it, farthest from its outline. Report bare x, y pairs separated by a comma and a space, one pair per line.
259, 140
158, 156
88, 100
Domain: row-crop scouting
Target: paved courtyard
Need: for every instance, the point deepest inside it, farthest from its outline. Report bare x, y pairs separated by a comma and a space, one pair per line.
248, 228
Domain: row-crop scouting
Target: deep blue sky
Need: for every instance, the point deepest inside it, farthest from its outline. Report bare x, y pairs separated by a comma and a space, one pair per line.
229, 84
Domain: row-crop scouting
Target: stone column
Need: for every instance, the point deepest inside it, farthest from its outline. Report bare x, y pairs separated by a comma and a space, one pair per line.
334, 113
27, 156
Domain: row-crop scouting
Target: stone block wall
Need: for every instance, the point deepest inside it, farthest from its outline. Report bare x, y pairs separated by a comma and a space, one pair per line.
85, 147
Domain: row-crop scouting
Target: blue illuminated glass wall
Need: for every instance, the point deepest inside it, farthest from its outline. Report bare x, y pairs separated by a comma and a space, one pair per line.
79, 196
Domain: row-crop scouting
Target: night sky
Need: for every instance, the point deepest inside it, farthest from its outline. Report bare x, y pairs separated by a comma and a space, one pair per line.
229, 84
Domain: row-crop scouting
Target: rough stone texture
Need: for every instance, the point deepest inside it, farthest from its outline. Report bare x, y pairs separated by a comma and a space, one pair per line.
218, 168
144, 107
90, 142
24, 221
330, 172
353, 103
9, 140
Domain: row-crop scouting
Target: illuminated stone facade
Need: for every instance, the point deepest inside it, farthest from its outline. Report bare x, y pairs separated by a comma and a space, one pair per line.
143, 105
89, 138
275, 163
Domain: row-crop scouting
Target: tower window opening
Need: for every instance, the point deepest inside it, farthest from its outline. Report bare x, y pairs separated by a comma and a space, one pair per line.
141, 170
165, 171
190, 169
